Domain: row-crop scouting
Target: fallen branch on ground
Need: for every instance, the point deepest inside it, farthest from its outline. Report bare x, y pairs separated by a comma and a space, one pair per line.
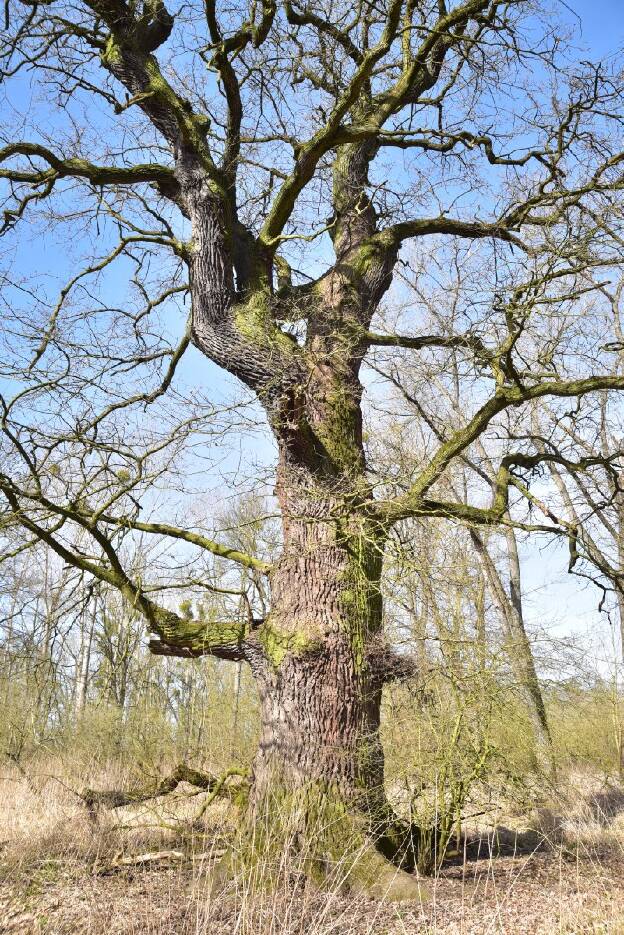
119, 798
139, 860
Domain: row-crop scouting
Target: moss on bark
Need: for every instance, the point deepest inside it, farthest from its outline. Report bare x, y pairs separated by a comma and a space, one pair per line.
313, 830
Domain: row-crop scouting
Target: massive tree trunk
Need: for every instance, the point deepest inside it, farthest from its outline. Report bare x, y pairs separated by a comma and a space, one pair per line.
320, 704
318, 774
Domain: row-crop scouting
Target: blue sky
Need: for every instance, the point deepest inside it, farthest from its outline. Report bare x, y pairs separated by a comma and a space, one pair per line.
554, 600
602, 24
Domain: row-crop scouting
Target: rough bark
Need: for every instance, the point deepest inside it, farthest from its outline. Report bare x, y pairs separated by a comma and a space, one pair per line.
318, 775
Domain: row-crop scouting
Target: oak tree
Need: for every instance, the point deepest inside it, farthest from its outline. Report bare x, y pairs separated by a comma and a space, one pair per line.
271, 162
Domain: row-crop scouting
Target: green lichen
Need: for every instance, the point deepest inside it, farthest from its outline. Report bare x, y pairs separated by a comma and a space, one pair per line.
111, 54
371, 253
278, 644
359, 589
338, 430
255, 322
197, 636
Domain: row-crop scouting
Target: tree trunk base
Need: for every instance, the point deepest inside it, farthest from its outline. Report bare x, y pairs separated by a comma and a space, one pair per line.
314, 835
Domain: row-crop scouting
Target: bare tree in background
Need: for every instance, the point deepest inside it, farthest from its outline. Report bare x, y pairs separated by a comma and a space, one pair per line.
592, 501
270, 162
436, 409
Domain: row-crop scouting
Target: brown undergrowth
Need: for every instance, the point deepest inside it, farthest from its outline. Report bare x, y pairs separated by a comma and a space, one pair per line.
148, 868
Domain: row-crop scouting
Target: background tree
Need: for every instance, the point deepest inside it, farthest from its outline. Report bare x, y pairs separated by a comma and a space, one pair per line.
435, 408
212, 154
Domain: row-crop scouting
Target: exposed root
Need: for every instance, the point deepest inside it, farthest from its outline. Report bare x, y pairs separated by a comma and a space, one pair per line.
138, 860
314, 834
372, 874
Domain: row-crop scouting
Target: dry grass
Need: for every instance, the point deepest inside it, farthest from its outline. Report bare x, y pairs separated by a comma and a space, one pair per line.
53, 863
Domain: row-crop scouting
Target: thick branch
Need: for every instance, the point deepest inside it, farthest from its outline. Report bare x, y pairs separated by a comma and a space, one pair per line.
164, 529
176, 635
129, 57
190, 639
473, 230
119, 798
75, 167
419, 342
413, 503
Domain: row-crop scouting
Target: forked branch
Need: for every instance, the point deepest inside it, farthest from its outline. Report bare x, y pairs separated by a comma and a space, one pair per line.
415, 503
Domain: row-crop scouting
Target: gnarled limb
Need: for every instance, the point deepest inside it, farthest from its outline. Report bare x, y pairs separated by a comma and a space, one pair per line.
120, 798
129, 57
413, 503
455, 227
190, 639
420, 341
176, 635
75, 167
